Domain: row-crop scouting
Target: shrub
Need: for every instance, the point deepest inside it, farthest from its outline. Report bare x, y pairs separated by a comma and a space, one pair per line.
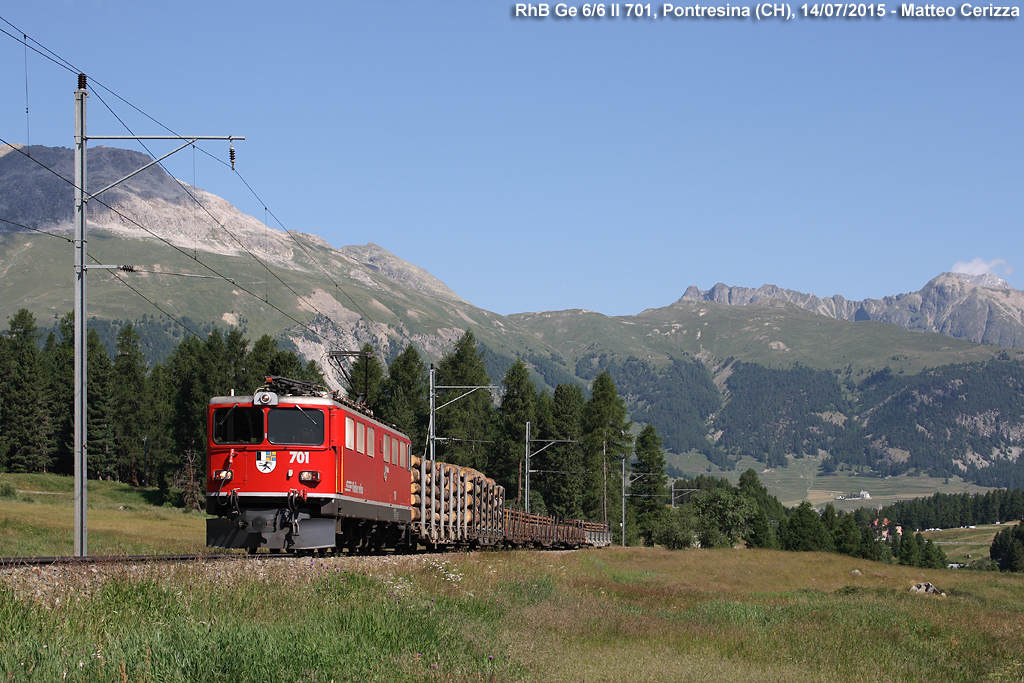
675, 531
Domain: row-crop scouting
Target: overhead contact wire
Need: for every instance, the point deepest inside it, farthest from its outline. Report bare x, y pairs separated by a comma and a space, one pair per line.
60, 61
173, 246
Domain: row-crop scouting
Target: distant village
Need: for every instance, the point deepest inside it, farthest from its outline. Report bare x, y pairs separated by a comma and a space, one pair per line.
863, 495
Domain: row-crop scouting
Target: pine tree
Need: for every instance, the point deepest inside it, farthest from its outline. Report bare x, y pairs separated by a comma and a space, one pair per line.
100, 457
760, 534
59, 368
606, 441
186, 367
128, 390
870, 547
564, 487
5, 390
235, 352
404, 400
518, 406
933, 556
909, 553
649, 490
217, 378
1016, 559
846, 537
28, 431
803, 531
257, 362
466, 425
157, 436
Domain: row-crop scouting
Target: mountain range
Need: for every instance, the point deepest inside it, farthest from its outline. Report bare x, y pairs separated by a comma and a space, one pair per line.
978, 308
313, 296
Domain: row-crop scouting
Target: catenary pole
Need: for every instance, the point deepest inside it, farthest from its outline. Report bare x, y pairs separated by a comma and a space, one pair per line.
81, 403
82, 198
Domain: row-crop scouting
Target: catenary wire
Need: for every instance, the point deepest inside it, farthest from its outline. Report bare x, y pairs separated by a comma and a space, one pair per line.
114, 274
173, 246
67, 65
60, 61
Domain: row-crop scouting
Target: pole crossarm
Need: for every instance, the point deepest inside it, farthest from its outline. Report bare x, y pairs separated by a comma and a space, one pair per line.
558, 472
432, 423
675, 491
460, 396
190, 138
188, 141
549, 442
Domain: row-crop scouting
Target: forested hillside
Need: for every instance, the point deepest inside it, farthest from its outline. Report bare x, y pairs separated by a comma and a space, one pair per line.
962, 420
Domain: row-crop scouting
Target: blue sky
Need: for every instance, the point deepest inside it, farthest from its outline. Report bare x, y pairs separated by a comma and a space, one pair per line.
551, 164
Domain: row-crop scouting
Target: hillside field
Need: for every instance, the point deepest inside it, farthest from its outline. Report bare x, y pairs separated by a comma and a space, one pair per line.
801, 480
40, 520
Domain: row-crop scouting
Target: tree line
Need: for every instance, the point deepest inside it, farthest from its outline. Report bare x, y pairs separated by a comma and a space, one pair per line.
144, 422
579, 441
717, 514
148, 422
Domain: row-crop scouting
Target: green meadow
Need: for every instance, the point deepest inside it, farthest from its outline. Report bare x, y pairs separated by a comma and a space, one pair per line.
596, 615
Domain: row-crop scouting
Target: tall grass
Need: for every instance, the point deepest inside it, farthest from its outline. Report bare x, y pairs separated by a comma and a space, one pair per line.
290, 621
609, 615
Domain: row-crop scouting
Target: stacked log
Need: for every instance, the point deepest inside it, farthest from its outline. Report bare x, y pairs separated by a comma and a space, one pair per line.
452, 503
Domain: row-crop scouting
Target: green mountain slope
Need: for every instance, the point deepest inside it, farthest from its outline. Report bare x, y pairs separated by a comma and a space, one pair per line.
769, 333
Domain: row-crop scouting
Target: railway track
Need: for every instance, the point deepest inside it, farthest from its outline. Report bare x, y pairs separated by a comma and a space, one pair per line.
14, 562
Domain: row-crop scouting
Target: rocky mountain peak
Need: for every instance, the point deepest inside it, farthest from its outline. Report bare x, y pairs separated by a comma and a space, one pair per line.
382, 261
984, 280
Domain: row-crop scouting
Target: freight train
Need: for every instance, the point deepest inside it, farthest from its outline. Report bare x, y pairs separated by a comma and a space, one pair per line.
297, 468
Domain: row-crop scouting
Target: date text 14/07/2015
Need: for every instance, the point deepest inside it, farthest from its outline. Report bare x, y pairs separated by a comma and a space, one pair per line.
908, 11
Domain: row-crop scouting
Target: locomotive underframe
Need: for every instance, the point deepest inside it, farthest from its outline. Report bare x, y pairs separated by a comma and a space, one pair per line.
340, 522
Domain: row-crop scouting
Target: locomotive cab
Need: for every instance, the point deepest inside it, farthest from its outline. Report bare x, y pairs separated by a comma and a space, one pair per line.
291, 466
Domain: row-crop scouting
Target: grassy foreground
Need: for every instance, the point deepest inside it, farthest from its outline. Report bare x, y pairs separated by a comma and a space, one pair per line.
599, 615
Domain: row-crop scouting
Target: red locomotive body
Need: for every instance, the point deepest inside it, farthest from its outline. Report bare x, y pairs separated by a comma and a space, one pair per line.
303, 469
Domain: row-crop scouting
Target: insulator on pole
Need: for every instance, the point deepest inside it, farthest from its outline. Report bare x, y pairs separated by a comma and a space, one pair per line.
81, 81
231, 154
127, 269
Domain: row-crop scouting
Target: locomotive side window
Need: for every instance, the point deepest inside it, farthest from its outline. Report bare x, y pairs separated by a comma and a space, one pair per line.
360, 437
385, 446
295, 426
238, 425
401, 454
350, 433
369, 441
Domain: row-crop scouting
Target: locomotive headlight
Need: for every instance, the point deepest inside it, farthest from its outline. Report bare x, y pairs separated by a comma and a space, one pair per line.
223, 475
309, 477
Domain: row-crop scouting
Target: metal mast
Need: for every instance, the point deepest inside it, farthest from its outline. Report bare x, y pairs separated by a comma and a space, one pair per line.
81, 268
81, 402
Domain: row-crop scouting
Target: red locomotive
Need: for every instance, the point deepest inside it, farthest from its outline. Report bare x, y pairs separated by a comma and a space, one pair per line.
294, 467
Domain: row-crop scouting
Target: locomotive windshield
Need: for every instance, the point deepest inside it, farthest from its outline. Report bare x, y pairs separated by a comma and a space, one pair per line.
238, 425
295, 426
